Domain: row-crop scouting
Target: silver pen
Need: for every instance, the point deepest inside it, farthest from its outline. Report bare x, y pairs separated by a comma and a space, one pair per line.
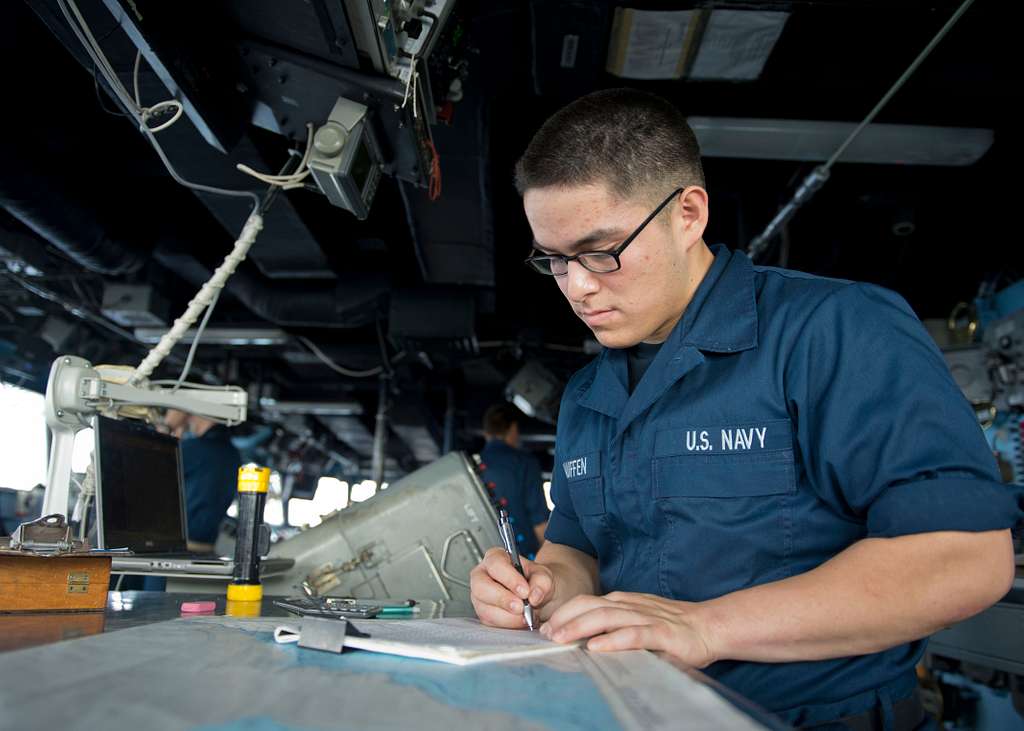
509, 539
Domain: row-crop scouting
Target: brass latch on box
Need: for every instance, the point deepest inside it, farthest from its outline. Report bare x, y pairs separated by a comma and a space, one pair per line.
78, 582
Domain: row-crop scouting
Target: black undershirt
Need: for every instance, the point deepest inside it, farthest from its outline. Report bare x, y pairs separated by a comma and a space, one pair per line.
639, 358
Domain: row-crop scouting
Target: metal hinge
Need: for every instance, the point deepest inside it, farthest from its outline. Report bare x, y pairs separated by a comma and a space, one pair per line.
78, 582
329, 576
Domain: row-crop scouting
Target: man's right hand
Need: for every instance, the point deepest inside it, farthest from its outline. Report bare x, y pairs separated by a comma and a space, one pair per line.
497, 590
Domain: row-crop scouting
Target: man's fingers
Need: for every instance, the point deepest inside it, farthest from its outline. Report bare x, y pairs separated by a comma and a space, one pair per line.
635, 637
635, 598
494, 604
497, 591
499, 567
488, 591
599, 621
541, 582
569, 611
497, 617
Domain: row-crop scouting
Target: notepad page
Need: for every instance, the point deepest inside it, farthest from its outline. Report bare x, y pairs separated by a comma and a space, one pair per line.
460, 641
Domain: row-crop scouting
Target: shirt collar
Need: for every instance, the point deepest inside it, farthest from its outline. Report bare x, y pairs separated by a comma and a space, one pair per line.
722, 316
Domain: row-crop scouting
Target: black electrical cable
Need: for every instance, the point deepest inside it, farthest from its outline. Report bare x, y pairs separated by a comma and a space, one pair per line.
384, 358
274, 190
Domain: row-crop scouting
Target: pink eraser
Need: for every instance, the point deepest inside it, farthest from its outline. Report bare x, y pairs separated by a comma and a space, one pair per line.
198, 606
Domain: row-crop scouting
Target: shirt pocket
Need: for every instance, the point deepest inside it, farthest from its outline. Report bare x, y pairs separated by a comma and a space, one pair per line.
588, 501
726, 518
587, 496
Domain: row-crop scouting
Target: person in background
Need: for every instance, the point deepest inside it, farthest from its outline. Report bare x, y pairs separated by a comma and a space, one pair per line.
210, 465
513, 477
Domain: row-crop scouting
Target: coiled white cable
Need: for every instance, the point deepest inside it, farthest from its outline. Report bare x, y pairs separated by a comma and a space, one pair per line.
202, 300
146, 113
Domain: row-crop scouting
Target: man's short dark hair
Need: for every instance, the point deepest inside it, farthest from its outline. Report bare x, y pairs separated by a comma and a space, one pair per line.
498, 419
637, 143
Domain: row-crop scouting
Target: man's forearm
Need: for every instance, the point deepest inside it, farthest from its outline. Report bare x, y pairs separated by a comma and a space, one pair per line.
574, 573
878, 593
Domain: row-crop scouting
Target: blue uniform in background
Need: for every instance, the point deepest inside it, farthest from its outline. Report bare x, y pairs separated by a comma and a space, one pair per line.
785, 418
210, 472
210, 464
518, 488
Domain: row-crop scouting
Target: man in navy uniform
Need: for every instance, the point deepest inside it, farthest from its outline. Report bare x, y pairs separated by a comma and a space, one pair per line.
210, 463
513, 477
769, 475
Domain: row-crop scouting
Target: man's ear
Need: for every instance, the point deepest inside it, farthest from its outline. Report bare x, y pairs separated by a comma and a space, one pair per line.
690, 214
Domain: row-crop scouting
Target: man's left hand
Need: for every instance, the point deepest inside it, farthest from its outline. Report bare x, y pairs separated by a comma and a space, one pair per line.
627, 621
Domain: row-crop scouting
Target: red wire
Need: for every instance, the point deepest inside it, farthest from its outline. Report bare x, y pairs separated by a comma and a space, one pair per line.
435, 173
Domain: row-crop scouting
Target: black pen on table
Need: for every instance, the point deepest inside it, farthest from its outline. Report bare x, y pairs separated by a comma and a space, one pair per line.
509, 539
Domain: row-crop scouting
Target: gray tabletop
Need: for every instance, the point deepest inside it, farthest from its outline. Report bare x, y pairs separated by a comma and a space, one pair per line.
223, 673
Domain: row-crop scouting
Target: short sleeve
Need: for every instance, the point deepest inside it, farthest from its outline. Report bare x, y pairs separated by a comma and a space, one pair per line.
564, 524
533, 485
884, 433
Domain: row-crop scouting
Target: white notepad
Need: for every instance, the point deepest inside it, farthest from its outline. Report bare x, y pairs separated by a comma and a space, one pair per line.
457, 641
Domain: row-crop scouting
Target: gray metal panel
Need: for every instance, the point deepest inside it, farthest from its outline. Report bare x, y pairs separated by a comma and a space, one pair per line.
994, 638
418, 538
316, 27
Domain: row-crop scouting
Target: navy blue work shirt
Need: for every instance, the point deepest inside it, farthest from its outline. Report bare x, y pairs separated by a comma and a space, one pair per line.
786, 417
517, 487
210, 464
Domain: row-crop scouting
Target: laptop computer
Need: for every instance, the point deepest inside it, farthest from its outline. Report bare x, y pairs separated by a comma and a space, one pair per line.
140, 504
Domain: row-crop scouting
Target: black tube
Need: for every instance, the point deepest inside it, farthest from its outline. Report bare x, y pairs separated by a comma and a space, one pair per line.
57, 214
381, 85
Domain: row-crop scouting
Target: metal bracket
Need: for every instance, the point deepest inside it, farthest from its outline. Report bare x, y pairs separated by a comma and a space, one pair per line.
323, 634
49, 534
328, 635
78, 582
473, 546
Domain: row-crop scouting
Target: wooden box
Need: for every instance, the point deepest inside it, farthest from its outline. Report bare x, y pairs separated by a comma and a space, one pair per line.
32, 583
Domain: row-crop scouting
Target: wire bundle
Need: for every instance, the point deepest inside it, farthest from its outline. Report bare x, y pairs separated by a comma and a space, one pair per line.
206, 297
435, 172
140, 114
286, 182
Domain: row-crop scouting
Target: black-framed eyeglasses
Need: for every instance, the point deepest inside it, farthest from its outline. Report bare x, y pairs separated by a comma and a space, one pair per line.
599, 262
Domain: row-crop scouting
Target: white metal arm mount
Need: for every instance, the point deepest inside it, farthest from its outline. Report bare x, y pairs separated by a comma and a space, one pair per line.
76, 391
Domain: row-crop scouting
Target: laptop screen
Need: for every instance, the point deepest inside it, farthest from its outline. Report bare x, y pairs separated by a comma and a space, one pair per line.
139, 494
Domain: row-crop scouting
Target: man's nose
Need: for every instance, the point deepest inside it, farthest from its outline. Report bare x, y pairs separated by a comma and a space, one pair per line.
579, 282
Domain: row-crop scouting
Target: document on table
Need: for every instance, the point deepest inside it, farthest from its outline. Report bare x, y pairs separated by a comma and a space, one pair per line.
458, 641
